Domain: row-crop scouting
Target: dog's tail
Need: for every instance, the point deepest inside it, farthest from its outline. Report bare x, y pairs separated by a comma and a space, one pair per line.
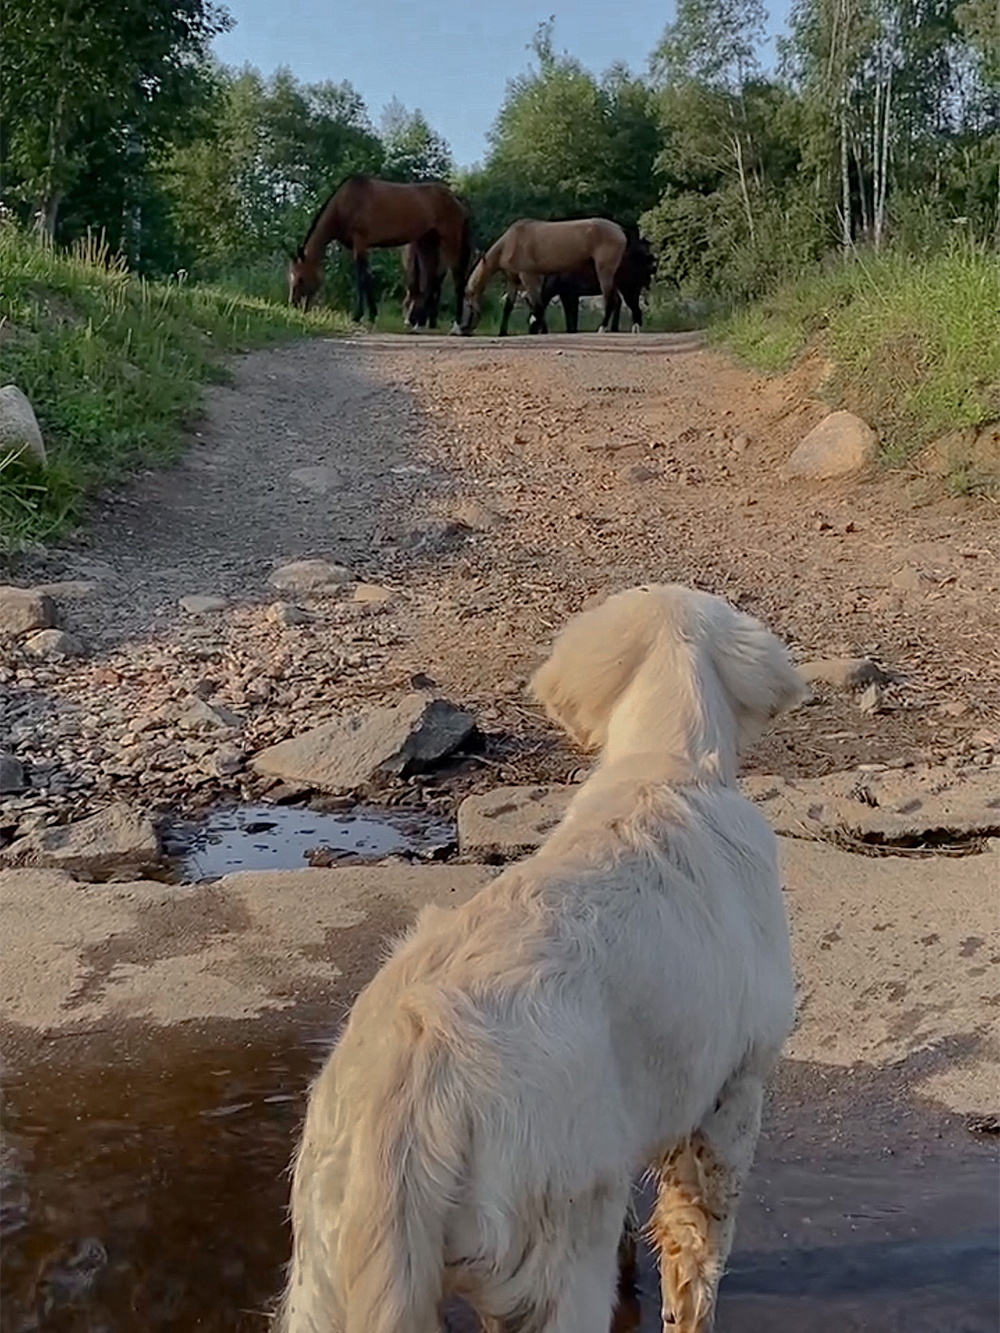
411, 1161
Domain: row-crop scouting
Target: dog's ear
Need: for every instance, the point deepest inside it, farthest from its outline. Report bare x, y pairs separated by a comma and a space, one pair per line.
594, 660
755, 668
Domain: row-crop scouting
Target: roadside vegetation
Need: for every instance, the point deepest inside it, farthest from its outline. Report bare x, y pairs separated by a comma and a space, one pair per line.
112, 363
912, 344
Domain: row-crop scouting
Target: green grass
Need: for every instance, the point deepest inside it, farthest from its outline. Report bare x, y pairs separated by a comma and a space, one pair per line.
913, 344
113, 366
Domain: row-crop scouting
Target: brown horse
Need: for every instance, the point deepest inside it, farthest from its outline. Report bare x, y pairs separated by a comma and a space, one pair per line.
364, 214
529, 251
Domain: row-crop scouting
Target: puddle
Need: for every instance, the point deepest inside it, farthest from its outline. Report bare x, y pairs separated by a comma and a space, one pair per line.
144, 1188
277, 837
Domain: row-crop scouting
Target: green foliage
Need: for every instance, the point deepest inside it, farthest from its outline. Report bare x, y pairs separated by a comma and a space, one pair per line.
88, 90
413, 151
913, 342
271, 152
111, 364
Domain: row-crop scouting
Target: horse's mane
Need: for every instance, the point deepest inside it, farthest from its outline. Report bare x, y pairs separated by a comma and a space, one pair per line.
354, 176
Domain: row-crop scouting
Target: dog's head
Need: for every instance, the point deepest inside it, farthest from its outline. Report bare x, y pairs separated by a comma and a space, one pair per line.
664, 665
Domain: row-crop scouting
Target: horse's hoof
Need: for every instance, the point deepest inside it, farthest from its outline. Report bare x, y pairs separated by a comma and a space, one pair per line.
456, 331
636, 328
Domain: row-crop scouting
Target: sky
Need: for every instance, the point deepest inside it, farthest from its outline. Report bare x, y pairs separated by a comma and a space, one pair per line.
450, 58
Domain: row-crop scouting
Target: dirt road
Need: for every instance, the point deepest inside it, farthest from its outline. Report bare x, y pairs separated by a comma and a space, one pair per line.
158, 1039
492, 487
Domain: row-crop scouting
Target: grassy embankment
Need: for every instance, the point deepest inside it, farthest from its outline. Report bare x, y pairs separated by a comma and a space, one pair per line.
113, 367
912, 344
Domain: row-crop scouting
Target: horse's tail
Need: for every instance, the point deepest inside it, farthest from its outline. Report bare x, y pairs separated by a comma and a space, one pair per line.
397, 1207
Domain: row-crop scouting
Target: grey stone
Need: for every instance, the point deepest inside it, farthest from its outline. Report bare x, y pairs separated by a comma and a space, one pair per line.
345, 754
845, 673
198, 604
842, 444
25, 609
198, 715
54, 643
510, 821
373, 594
285, 613
225, 761
895, 804
871, 699
12, 778
319, 479
117, 839
317, 577
20, 433
68, 590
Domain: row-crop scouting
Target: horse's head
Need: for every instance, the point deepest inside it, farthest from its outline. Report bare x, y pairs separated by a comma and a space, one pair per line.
472, 308
305, 277
643, 259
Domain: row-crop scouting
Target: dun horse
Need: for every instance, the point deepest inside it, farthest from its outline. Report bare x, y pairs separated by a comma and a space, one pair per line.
529, 251
364, 214
635, 273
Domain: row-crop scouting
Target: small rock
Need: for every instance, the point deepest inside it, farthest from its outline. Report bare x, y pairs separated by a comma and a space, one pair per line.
25, 609
509, 821
429, 536
117, 839
68, 590
200, 605
840, 445
54, 643
225, 761
909, 579
284, 613
373, 593
740, 444
871, 700
318, 577
345, 754
11, 775
19, 429
319, 479
475, 515
844, 673
640, 472
954, 708
198, 716
421, 681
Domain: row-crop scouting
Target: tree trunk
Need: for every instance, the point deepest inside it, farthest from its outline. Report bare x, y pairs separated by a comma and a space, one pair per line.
845, 178
737, 148
884, 161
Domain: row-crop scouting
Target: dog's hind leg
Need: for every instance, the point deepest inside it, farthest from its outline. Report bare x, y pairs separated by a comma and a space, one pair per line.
695, 1215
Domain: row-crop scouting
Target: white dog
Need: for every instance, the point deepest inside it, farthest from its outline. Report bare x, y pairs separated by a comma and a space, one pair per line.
611, 1004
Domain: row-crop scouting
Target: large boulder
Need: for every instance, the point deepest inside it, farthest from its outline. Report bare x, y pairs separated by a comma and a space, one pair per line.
24, 610
841, 445
345, 754
510, 821
116, 840
19, 429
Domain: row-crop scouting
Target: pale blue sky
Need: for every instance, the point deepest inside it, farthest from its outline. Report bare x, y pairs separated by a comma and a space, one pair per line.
451, 58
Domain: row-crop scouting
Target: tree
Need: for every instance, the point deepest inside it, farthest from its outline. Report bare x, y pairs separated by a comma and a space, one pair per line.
567, 145
81, 78
270, 153
413, 151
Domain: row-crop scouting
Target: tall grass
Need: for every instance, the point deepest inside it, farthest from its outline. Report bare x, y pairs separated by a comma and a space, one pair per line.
113, 366
913, 343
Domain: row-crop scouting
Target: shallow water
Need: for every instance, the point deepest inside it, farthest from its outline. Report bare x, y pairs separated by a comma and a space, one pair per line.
276, 837
145, 1188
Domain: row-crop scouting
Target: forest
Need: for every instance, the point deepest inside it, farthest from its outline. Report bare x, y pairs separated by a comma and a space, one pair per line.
879, 124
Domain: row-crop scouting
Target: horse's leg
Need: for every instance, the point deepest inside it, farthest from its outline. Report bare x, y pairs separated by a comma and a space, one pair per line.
370, 292
360, 264
533, 291
571, 307
635, 306
508, 305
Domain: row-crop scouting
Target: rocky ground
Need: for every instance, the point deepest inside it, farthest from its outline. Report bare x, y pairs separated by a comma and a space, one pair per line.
351, 576
466, 497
